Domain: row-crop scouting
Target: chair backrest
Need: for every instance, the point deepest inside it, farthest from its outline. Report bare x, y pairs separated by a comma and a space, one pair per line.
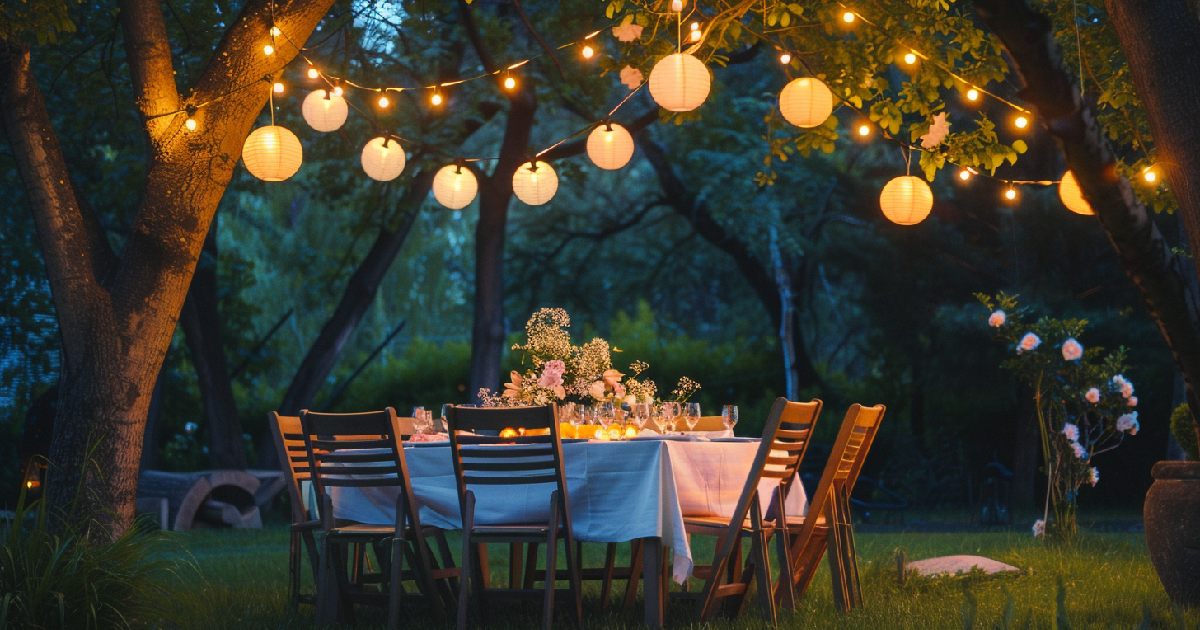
293, 456
357, 450
524, 460
846, 459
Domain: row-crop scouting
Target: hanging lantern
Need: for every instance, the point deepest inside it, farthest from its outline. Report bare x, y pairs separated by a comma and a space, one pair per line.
454, 186
906, 200
610, 146
324, 111
535, 183
806, 102
1072, 196
679, 82
272, 153
383, 159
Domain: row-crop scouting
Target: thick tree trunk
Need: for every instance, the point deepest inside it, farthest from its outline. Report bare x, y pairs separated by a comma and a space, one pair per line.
1161, 40
360, 291
495, 193
117, 315
1163, 278
201, 322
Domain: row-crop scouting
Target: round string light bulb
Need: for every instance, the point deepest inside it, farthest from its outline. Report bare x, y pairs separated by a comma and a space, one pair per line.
383, 159
338, 91
964, 174
1021, 122
1010, 194
272, 153
510, 83
848, 17
268, 50
679, 82
275, 32
383, 101
806, 102
278, 87
695, 36
190, 123
610, 146
313, 74
535, 182
1071, 195
972, 95
455, 186
1150, 175
436, 100
910, 59
785, 58
588, 52
324, 111
906, 200
864, 130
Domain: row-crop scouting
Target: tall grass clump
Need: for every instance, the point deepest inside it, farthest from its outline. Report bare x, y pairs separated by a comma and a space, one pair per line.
53, 579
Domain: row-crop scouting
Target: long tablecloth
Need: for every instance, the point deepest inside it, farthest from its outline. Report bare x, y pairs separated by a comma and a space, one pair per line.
619, 491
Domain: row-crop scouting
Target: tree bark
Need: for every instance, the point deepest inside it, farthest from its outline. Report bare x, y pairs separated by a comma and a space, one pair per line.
201, 321
117, 315
1163, 279
360, 290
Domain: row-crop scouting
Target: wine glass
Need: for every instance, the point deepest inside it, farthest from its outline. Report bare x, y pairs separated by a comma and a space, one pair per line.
729, 417
659, 419
605, 414
691, 415
670, 411
641, 414
574, 416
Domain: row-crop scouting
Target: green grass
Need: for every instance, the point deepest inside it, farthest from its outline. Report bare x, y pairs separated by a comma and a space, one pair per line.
1108, 581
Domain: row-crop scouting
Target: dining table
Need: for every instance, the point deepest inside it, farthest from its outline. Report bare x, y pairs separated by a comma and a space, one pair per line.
638, 489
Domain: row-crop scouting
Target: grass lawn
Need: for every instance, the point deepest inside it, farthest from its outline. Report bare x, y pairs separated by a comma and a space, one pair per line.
237, 580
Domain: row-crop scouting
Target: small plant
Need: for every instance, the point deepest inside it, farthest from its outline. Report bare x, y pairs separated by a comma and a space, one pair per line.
1184, 430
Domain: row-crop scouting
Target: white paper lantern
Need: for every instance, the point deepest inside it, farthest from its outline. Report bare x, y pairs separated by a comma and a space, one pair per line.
906, 200
383, 159
272, 153
610, 146
535, 183
324, 111
679, 82
806, 102
455, 186
1072, 196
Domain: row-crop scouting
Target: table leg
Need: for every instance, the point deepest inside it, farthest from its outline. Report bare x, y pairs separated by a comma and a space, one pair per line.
652, 579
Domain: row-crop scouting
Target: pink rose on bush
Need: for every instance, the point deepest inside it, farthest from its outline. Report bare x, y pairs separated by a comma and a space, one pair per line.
997, 318
1128, 423
1071, 432
1028, 343
1131, 401
1072, 350
1092, 395
1079, 451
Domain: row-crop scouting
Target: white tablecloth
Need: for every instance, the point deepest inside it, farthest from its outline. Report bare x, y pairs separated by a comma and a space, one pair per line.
619, 491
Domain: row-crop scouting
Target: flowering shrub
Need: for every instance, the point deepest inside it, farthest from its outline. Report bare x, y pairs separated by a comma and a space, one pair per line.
560, 370
1085, 405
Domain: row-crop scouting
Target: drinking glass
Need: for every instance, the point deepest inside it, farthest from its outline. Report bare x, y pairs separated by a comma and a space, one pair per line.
423, 421
670, 412
691, 415
445, 413
574, 416
729, 416
605, 413
641, 414
660, 421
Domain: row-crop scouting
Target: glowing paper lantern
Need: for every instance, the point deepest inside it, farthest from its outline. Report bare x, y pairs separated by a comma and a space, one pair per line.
324, 111
272, 153
806, 102
610, 146
906, 200
535, 183
383, 159
679, 82
454, 186
1072, 196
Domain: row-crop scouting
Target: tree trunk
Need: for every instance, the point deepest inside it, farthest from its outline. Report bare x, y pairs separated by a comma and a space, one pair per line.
116, 316
1164, 279
1161, 40
360, 291
201, 321
495, 193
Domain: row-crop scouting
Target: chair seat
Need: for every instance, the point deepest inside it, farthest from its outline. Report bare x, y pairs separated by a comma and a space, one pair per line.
540, 530
719, 523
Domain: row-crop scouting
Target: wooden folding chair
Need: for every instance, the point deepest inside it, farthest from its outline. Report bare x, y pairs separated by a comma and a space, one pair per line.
828, 525
363, 450
494, 465
289, 443
784, 442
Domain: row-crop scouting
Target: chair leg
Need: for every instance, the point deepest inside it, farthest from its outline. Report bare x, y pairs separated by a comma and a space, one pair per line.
785, 589
849, 553
531, 556
514, 565
762, 569
467, 560
294, 572
551, 564
397, 573
635, 573
575, 577
610, 560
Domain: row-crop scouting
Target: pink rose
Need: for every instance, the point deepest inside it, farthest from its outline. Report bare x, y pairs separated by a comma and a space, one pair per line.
611, 377
997, 318
1131, 401
1071, 432
1127, 389
1028, 343
1092, 395
1072, 350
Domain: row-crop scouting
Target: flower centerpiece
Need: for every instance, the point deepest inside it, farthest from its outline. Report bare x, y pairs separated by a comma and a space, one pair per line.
558, 370
1085, 405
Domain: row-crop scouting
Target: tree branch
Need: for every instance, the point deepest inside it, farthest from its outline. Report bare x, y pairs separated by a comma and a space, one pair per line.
152, 71
576, 147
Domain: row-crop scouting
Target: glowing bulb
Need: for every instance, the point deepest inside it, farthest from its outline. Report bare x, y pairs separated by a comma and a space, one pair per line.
510, 83
338, 91
268, 50
1150, 175
864, 130
190, 123
1010, 194
275, 32
695, 36
695, 26
910, 59
277, 87
384, 101
313, 74
964, 174
848, 17
677, 5
972, 95
1020, 122
436, 99
785, 58
588, 52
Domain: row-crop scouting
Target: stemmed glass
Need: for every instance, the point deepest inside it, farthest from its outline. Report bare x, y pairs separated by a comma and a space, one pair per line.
729, 417
670, 411
641, 414
692, 415
574, 416
660, 419
605, 414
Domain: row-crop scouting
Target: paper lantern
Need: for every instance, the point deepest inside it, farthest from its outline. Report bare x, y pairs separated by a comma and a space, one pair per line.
1072, 196
455, 186
383, 159
272, 153
610, 146
324, 111
806, 102
906, 200
535, 183
679, 82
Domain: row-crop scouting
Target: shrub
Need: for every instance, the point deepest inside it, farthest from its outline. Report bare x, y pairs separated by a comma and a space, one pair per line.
1184, 430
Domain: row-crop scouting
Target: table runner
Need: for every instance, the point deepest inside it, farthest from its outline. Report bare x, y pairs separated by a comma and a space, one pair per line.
619, 491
